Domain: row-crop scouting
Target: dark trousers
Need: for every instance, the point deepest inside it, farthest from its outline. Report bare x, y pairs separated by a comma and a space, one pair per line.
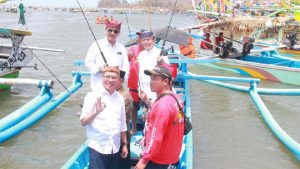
103, 161
152, 165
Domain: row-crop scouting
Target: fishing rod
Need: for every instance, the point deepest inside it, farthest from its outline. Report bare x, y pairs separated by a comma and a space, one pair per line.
164, 42
49, 70
102, 54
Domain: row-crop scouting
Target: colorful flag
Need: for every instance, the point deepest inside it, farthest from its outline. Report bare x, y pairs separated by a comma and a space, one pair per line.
297, 15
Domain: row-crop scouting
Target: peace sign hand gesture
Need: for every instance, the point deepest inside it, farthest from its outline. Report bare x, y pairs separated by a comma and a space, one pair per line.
99, 106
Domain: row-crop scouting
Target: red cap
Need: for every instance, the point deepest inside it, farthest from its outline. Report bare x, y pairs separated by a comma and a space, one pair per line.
114, 24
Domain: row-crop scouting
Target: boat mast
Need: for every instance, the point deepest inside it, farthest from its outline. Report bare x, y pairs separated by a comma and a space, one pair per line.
149, 14
195, 11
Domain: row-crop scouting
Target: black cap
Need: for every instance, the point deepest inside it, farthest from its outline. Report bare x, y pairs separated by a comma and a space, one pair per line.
160, 71
122, 74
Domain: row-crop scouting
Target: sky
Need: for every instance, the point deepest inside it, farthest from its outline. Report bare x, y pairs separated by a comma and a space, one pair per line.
60, 3
63, 3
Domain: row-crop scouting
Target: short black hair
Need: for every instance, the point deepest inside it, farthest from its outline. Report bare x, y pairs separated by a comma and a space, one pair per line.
122, 74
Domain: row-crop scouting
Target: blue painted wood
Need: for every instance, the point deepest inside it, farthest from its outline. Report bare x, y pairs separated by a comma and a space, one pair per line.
26, 110
262, 91
219, 78
43, 111
289, 142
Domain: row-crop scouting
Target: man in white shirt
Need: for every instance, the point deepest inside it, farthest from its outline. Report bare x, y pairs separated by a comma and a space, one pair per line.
103, 115
148, 59
114, 53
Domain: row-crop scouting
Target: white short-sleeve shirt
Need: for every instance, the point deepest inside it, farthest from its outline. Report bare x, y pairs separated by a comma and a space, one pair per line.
115, 55
103, 133
148, 60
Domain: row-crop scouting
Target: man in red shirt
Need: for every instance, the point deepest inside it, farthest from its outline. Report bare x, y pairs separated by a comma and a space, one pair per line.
206, 43
133, 78
219, 39
165, 125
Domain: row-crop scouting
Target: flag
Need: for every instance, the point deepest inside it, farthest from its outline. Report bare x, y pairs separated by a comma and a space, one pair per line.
297, 15
22, 16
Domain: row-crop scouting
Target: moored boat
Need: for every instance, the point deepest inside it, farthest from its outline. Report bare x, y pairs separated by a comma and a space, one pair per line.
14, 57
256, 55
280, 69
103, 20
295, 53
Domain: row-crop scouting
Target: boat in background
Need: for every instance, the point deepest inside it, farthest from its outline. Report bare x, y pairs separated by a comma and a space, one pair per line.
13, 58
256, 55
262, 67
294, 53
103, 20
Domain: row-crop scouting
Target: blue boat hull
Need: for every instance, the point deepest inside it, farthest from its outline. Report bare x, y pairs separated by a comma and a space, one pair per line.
80, 159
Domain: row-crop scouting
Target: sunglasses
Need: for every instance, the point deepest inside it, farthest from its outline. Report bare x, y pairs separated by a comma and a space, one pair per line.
113, 30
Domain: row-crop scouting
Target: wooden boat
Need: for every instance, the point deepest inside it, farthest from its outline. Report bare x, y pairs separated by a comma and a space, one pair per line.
265, 66
103, 20
80, 158
14, 57
295, 53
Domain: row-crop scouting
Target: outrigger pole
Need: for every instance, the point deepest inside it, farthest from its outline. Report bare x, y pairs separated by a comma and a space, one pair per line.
36, 48
102, 54
18, 67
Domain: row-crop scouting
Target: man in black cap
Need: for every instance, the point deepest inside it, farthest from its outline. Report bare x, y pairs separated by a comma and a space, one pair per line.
165, 125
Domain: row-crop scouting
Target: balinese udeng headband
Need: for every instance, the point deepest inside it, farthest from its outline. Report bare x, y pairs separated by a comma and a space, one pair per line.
111, 69
114, 24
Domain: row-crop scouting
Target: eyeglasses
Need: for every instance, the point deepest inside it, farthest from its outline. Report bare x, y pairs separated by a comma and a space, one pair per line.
113, 30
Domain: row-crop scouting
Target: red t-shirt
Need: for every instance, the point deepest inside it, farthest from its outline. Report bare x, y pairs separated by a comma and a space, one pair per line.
205, 45
219, 40
164, 132
133, 78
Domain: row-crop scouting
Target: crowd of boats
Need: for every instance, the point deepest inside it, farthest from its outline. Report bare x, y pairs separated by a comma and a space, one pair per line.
14, 9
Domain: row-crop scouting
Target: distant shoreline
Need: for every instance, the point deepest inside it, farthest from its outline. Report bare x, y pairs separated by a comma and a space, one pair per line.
13, 9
